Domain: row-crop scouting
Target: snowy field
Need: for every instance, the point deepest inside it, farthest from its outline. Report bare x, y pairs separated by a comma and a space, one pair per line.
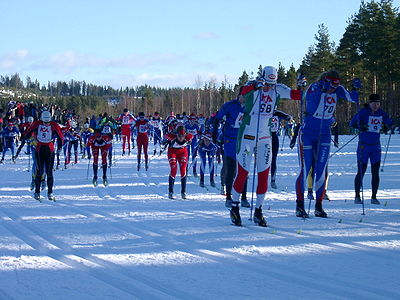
129, 241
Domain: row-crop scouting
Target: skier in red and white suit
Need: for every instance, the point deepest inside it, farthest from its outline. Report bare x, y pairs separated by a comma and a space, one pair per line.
177, 142
254, 137
142, 126
45, 131
126, 122
99, 143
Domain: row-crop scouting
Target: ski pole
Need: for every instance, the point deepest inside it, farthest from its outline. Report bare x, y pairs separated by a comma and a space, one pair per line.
255, 156
87, 172
341, 147
29, 161
387, 147
283, 139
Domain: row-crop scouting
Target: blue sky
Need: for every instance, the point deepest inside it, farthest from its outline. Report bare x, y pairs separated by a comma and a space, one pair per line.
162, 43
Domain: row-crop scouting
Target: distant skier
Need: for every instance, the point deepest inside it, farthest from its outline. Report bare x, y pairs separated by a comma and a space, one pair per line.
275, 124
45, 130
177, 142
206, 150
157, 131
10, 135
126, 120
100, 144
370, 121
193, 128
142, 126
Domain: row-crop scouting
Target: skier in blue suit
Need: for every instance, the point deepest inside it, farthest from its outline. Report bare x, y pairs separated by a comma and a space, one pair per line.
370, 121
315, 135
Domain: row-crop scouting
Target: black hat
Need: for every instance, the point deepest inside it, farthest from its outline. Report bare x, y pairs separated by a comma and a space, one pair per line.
374, 98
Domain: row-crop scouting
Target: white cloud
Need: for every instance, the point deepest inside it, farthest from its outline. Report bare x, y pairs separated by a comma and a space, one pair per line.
206, 36
12, 59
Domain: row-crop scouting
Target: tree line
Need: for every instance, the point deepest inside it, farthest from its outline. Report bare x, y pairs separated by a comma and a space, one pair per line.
369, 49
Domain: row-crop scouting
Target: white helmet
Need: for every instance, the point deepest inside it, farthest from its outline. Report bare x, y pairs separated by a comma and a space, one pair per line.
270, 75
30, 119
45, 116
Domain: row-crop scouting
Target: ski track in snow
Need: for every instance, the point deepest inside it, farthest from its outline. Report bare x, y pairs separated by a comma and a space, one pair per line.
129, 241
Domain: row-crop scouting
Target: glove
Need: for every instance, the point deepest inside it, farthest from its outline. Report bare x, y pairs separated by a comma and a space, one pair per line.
356, 83
326, 85
260, 83
301, 80
385, 129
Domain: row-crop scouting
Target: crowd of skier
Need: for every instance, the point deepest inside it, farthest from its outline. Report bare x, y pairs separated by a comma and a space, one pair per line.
243, 135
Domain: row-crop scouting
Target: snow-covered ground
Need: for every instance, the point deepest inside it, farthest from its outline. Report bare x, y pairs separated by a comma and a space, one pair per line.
129, 241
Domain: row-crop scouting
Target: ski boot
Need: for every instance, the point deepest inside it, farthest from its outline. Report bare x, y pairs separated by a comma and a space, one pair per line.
273, 185
42, 185
123, 152
13, 159
183, 196
94, 181
155, 151
228, 201
146, 166
357, 199
310, 195
235, 215
129, 152
32, 185
37, 196
212, 183
319, 211
171, 195
244, 203
258, 217
1, 160
138, 167
300, 211
105, 181
171, 182
374, 200
195, 174
51, 197
202, 184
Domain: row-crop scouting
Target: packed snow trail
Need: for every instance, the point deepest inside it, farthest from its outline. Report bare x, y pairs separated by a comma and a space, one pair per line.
129, 241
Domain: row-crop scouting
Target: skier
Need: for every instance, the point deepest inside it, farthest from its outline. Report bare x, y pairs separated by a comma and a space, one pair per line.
127, 120
177, 142
142, 127
157, 126
86, 133
275, 124
206, 150
231, 115
45, 131
369, 121
100, 144
107, 127
73, 137
193, 128
254, 136
10, 135
315, 136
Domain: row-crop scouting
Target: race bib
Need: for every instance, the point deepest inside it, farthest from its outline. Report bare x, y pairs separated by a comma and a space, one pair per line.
374, 124
106, 130
44, 133
326, 107
126, 120
142, 128
274, 124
